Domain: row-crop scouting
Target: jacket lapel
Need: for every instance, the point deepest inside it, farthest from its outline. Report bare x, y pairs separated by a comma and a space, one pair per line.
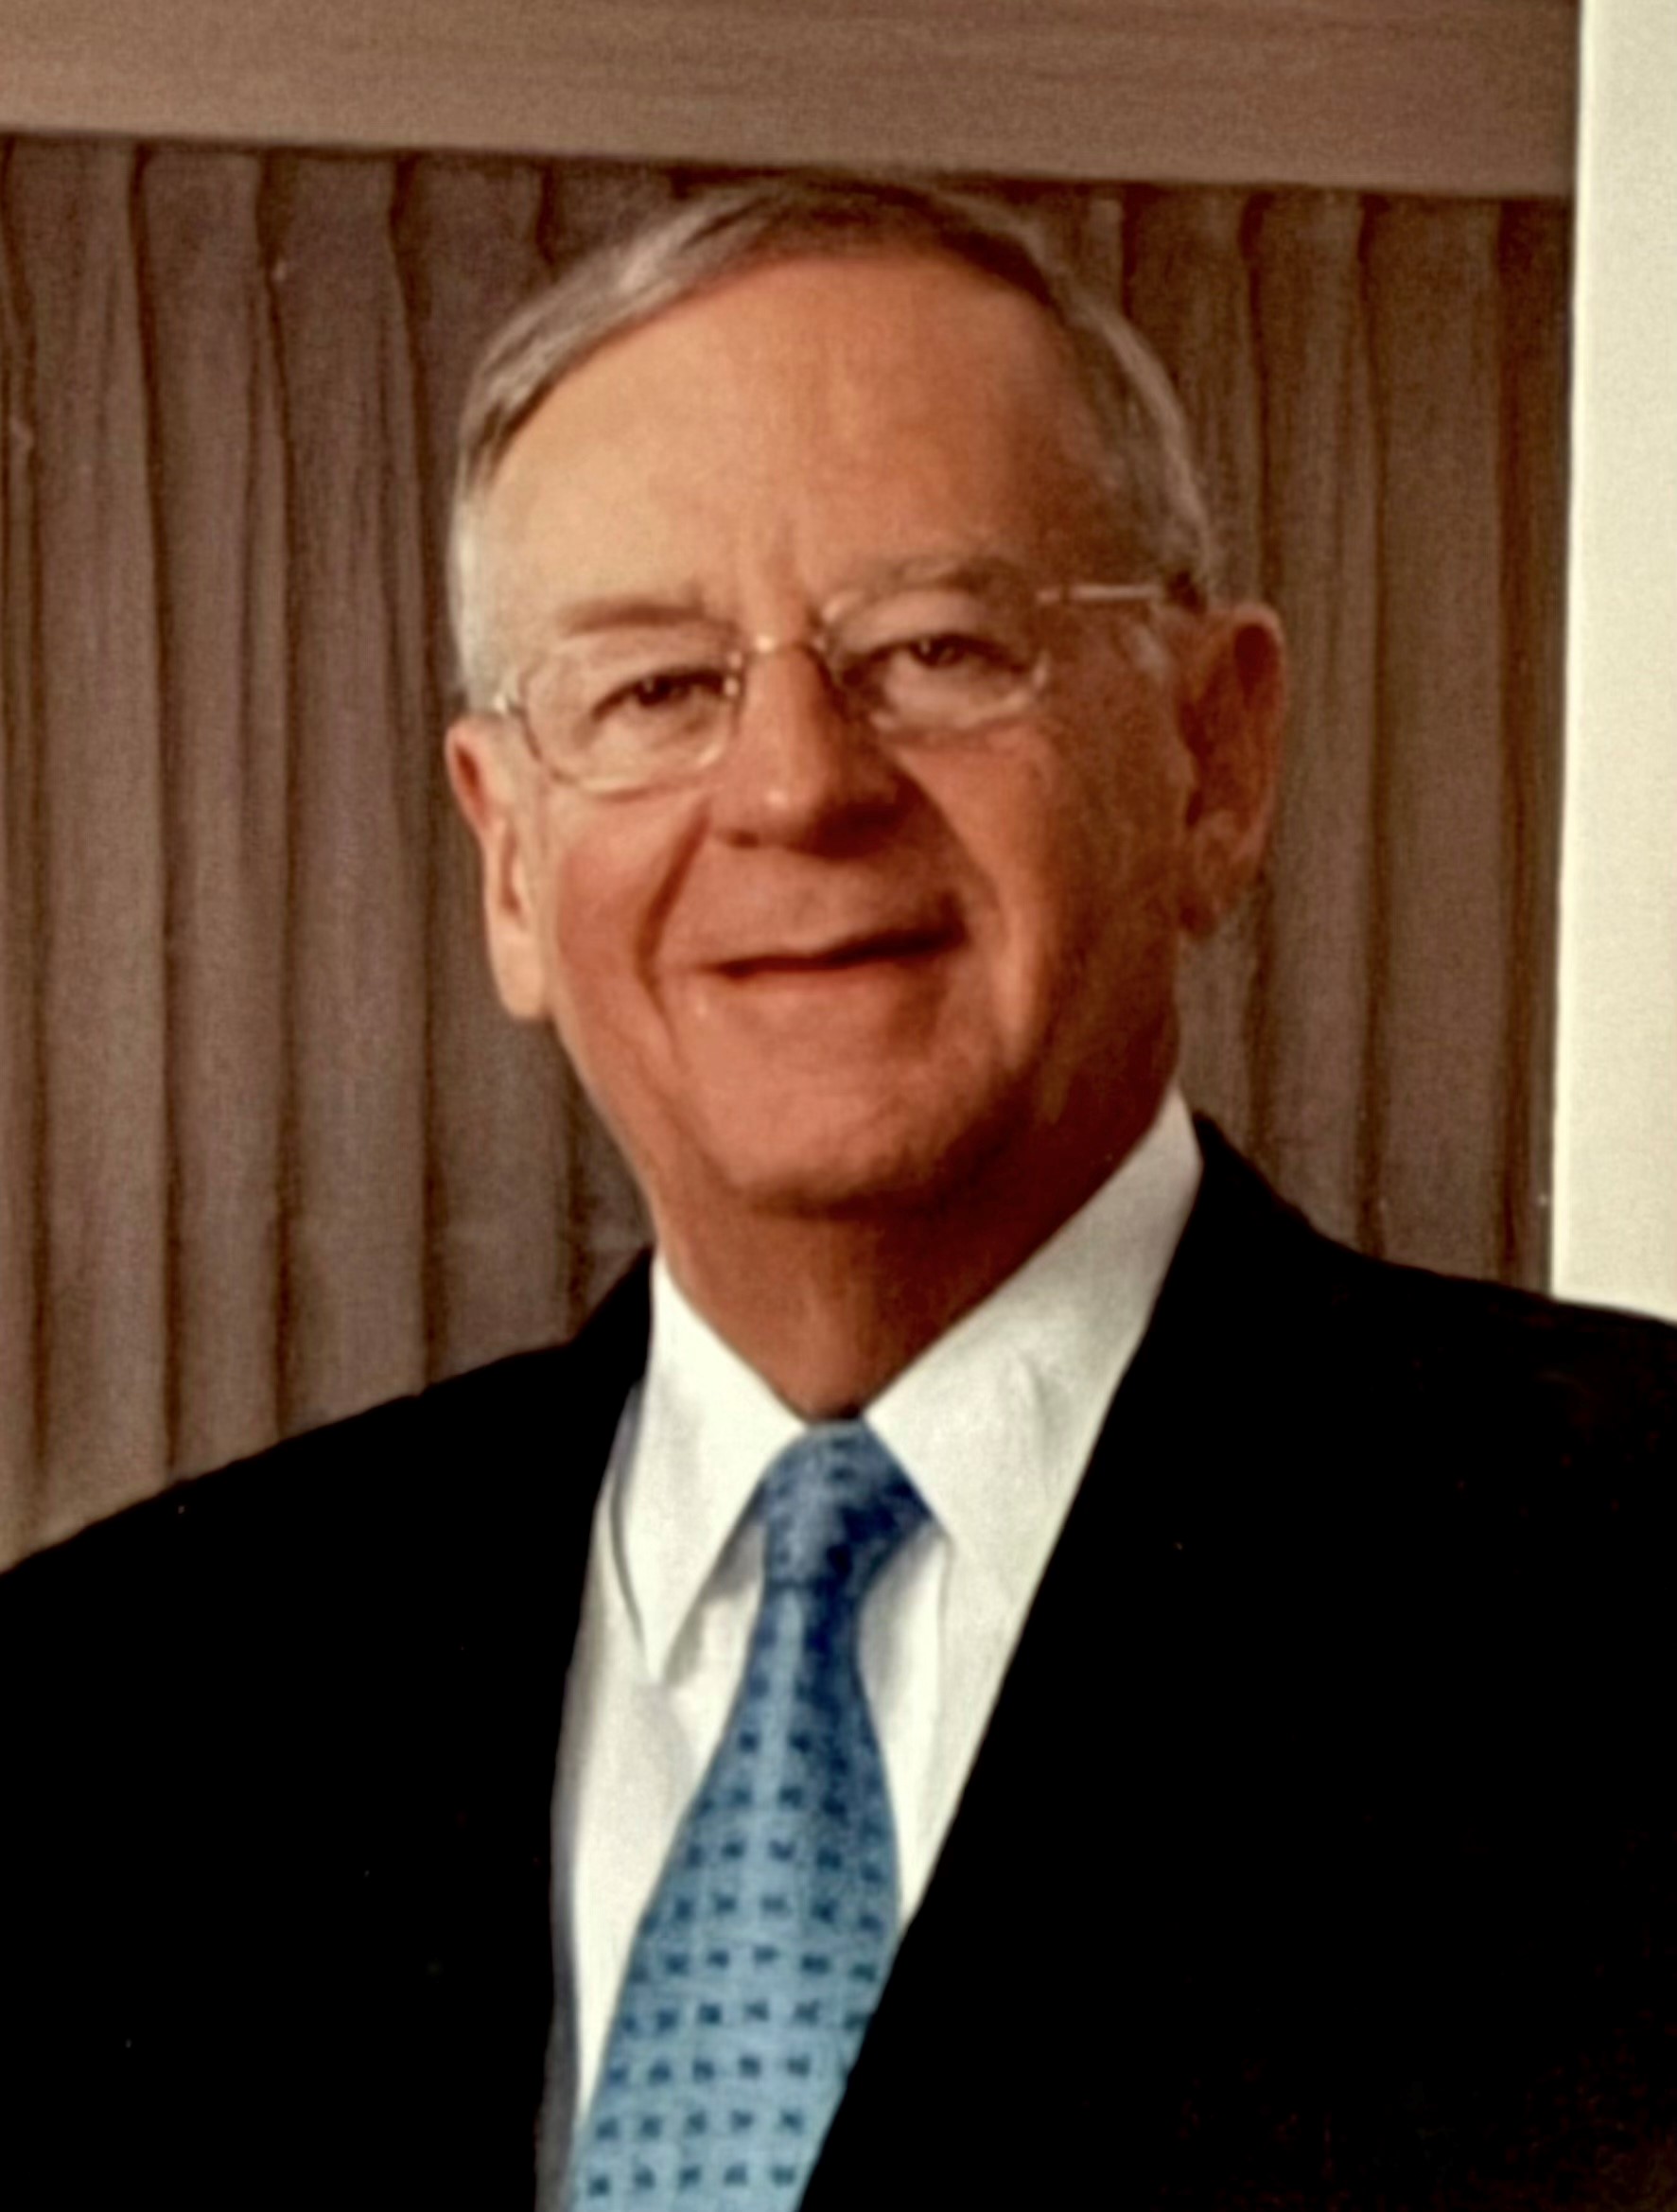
1090, 1785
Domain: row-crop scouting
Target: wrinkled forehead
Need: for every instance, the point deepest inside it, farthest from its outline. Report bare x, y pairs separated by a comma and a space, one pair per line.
822, 413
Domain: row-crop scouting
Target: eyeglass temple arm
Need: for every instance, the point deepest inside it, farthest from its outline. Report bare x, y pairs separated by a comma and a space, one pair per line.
1097, 594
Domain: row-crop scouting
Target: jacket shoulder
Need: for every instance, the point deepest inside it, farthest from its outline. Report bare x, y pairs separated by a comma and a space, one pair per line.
445, 1469
1382, 1341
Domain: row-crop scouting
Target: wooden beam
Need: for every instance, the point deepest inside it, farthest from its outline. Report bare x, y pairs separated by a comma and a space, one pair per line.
1465, 96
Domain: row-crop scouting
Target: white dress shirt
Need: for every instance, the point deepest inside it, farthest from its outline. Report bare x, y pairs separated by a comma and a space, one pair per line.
994, 1424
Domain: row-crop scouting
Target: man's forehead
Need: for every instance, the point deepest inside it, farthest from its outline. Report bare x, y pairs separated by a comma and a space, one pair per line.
892, 293
833, 311
897, 391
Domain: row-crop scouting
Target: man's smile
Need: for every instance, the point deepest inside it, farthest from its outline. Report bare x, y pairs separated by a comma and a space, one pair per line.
842, 956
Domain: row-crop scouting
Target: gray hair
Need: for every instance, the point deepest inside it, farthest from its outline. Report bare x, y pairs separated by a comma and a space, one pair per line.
1148, 476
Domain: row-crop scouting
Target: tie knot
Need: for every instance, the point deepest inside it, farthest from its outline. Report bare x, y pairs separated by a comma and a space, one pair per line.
836, 1506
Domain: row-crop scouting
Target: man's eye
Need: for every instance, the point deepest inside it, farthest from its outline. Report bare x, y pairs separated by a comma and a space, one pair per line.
969, 652
935, 662
950, 650
947, 678
662, 694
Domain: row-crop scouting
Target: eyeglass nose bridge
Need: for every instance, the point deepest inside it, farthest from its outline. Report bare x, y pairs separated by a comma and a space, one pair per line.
750, 651
858, 713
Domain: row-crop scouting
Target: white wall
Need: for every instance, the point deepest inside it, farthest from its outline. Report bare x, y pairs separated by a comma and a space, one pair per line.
1615, 1162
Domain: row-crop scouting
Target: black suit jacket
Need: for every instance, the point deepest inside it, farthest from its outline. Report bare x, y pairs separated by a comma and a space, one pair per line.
1322, 1850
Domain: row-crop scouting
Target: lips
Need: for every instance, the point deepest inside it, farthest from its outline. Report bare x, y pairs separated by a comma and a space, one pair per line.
875, 947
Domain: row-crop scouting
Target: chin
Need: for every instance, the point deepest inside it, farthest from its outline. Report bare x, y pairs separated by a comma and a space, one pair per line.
853, 1172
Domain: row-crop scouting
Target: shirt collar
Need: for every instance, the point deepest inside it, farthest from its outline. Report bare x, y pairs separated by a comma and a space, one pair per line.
993, 1423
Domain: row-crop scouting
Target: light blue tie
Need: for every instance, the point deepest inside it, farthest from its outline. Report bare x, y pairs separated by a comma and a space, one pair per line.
760, 1956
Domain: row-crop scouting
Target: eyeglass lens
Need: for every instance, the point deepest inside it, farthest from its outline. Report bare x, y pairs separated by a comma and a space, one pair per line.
638, 703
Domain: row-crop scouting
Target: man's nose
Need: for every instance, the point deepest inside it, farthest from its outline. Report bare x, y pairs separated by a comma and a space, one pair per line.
801, 767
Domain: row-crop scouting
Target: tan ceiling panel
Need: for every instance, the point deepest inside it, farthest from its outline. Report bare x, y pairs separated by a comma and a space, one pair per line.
1465, 96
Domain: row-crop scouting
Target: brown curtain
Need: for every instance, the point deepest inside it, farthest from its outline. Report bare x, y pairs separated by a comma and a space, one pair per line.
267, 1149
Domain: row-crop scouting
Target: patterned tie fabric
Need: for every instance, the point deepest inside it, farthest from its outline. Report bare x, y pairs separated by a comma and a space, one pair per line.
760, 1956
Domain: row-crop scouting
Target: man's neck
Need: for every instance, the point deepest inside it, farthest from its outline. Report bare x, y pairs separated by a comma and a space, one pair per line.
829, 1310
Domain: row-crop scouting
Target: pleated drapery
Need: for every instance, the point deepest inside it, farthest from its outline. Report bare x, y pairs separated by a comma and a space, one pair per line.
269, 1149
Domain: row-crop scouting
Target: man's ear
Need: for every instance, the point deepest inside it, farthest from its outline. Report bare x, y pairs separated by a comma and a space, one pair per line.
491, 795
1234, 705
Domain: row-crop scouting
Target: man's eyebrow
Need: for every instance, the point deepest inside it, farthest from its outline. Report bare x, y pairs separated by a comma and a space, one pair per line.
950, 568
621, 610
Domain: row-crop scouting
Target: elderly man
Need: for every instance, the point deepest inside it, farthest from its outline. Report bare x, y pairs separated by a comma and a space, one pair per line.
1040, 1680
